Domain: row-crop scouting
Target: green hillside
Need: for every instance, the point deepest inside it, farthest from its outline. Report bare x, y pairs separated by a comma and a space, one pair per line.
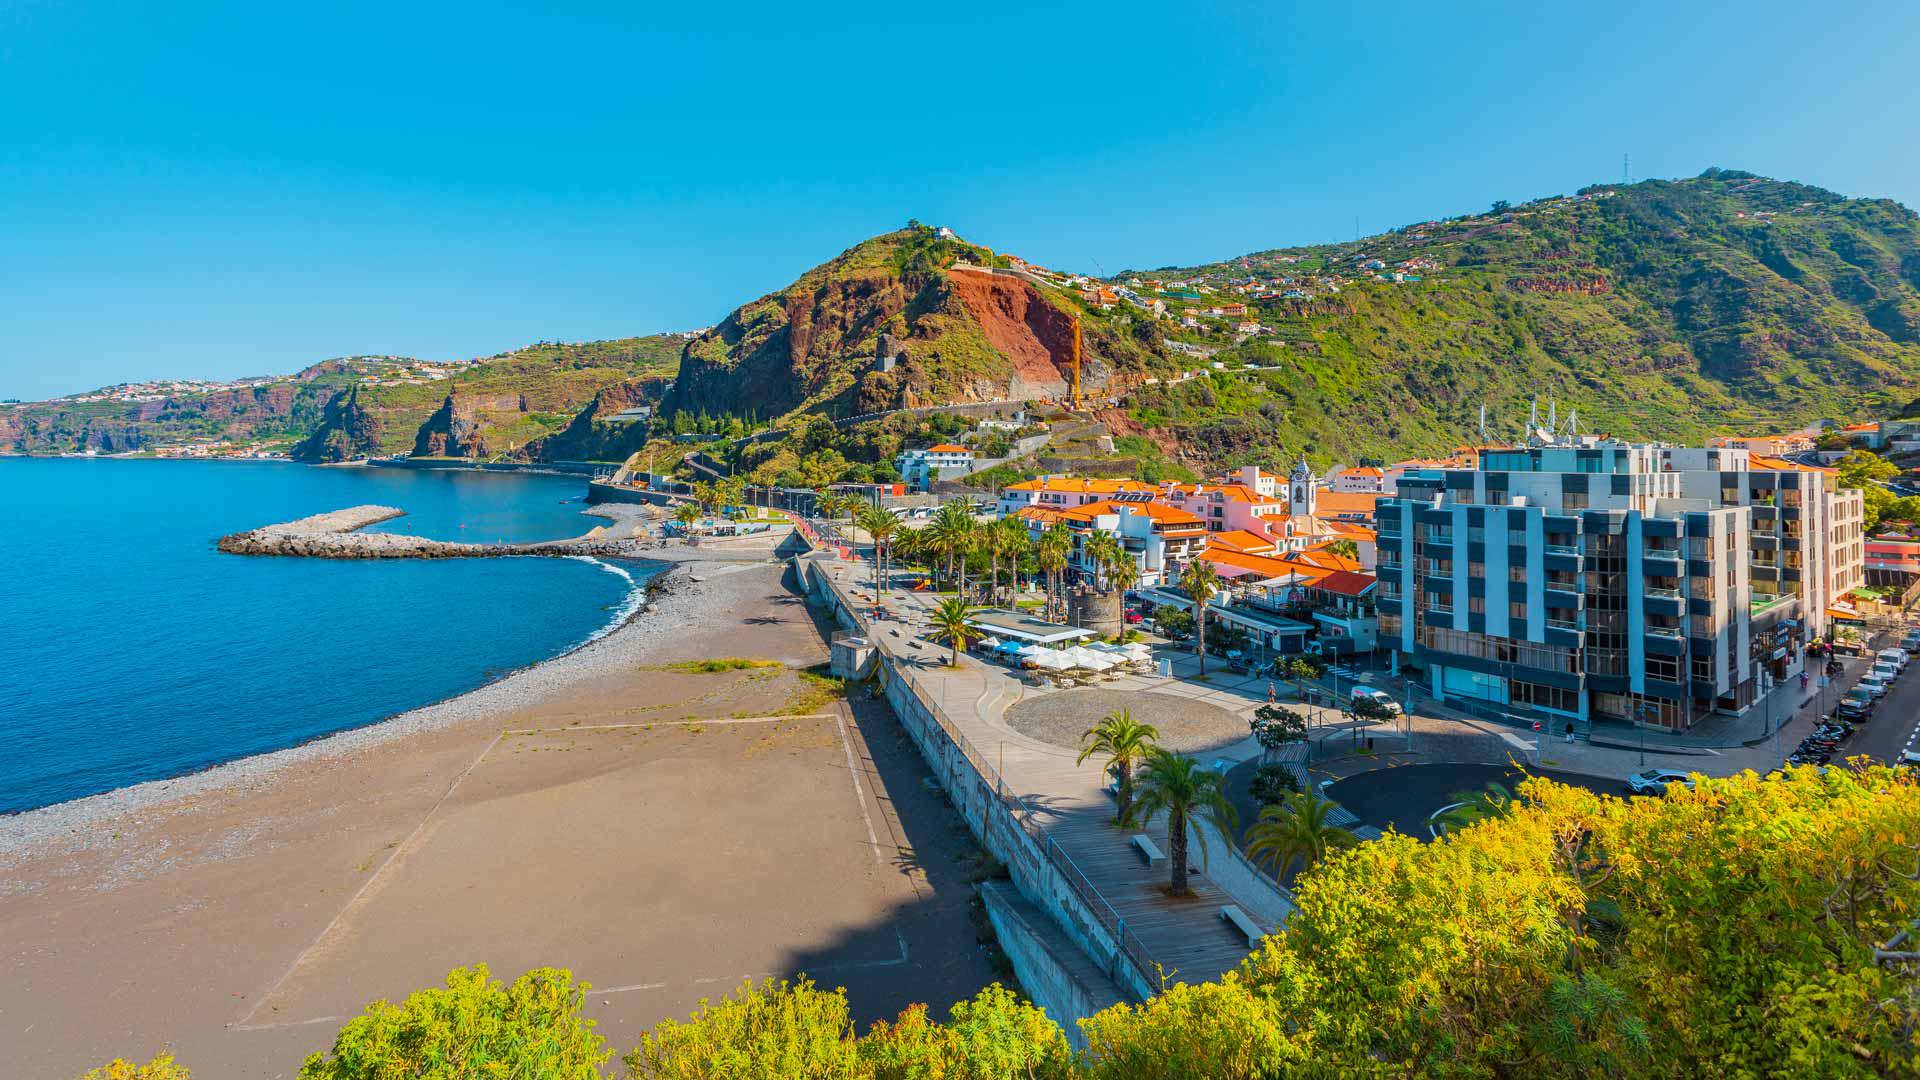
952, 336
498, 405
1668, 309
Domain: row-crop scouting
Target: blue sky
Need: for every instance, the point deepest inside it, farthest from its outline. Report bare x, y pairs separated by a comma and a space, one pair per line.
214, 190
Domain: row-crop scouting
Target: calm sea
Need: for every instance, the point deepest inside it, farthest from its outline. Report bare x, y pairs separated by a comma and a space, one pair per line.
131, 650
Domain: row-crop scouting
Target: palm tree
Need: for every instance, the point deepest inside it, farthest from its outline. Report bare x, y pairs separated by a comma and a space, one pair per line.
1104, 552
950, 618
1491, 801
1014, 543
950, 535
1346, 549
1200, 580
880, 525
1124, 741
1296, 830
686, 514
1051, 553
991, 542
1178, 787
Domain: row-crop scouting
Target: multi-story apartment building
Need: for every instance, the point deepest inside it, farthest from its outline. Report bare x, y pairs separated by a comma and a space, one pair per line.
1162, 539
1589, 580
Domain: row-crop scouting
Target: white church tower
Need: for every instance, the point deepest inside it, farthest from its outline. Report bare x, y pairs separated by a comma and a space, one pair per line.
1300, 491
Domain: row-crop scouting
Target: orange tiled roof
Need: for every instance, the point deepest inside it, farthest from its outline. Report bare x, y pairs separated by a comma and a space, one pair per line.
1364, 470
1158, 511
1263, 565
1233, 492
1242, 540
1346, 583
948, 448
1080, 485
1327, 503
1321, 559
1044, 515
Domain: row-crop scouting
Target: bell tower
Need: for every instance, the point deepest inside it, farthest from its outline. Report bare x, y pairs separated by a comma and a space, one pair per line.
1300, 491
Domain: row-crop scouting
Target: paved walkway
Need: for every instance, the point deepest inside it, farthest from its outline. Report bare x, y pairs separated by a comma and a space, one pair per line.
1187, 937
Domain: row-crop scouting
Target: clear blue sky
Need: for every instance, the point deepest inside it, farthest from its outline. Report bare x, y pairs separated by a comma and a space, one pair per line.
212, 190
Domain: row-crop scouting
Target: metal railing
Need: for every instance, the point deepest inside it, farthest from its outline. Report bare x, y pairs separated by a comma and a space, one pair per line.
1020, 817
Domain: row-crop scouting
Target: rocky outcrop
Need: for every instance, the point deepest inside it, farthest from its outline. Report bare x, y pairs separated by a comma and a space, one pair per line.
335, 535
347, 432
592, 436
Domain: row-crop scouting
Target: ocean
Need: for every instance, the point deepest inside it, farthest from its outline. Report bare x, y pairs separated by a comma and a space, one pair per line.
131, 650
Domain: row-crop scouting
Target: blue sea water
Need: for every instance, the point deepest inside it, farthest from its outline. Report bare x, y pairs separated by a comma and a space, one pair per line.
131, 650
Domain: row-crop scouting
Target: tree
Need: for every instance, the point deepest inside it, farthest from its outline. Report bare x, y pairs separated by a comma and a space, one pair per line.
1125, 742
472, 1027
880, 525
1015, 543
1051, 553
1469, 807
1297, 830
1346, 549
686, 514
950, 535
1300, 671
1200, 580
1180, 788
950, 618
1272, 783
1275, 726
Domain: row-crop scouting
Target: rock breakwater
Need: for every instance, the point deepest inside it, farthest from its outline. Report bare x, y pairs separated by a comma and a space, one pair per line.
335, 535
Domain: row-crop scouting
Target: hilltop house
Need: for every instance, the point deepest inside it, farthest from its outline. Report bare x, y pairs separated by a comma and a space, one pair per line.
920, 468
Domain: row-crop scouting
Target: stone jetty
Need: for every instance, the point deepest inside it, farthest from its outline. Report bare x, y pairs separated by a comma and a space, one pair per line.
336, 535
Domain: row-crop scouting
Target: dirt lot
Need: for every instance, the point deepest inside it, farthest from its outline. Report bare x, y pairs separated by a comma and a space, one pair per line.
662, 860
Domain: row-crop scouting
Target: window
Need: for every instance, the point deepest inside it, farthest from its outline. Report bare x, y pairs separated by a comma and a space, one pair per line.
1476, 569
1516, 573
1663, 668
1390, 626
1517, 610
1477, 605
1574, 500
1544, 697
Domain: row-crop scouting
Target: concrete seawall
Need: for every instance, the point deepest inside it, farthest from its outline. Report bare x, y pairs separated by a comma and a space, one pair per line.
335, 535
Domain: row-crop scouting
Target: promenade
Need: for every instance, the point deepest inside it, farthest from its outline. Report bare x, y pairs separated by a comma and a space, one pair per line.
1186, 938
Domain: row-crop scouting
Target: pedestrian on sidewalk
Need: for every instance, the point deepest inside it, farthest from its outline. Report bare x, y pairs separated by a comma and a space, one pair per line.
1270, 697
1569, 733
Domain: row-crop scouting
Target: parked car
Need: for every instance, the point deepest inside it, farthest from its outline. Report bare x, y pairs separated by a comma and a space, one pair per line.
1655, 781
1885, 671
1378, 697
1911, 642
1897, 657
1874, 685
1133, 618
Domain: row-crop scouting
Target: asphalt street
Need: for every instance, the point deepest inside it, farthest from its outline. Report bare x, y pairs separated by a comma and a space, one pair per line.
1405, 796
1892, 730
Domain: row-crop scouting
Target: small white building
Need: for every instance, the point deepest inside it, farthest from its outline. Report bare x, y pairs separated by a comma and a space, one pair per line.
920, 468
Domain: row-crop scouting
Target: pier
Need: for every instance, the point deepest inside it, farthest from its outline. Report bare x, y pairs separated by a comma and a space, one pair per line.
336, 535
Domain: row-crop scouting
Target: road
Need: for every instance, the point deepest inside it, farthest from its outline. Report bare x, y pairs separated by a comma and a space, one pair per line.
1406, 796
1895, 726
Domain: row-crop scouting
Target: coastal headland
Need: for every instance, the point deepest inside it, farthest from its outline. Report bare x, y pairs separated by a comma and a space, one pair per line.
337, 535
677, 806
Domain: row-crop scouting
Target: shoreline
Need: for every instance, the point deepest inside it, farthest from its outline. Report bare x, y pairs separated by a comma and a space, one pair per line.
668, 597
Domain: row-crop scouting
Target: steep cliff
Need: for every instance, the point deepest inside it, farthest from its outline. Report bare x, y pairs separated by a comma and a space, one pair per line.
594, 434
889, 324
347, 432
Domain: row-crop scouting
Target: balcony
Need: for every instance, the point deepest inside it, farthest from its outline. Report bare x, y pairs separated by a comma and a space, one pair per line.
1664, 594
1562, 549
1673, 632
1564, 624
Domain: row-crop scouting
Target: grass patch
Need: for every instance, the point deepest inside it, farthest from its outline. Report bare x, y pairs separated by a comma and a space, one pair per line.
717, 665
816, 689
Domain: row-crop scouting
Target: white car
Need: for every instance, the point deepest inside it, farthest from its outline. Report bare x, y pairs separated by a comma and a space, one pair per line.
1897, 657
1873, 685
1378, 697
1885, 672
1655, 781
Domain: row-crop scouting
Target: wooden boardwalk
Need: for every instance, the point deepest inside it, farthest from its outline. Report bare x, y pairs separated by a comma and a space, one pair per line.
1187, 937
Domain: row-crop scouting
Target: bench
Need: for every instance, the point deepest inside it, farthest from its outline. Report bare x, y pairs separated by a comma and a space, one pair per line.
1145, 845
1240, 921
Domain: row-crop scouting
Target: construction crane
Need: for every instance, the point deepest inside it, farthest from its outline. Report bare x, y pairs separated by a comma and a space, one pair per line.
1073, 365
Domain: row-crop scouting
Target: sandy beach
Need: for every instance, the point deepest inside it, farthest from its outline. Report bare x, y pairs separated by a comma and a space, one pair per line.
665, 832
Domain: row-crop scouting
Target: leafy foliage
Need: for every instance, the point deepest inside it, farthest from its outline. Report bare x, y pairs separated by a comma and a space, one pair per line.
472, 1027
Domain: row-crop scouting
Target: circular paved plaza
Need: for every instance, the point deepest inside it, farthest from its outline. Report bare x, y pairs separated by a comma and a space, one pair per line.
1185, 725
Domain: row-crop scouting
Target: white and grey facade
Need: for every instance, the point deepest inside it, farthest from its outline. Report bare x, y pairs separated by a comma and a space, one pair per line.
1586, 581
